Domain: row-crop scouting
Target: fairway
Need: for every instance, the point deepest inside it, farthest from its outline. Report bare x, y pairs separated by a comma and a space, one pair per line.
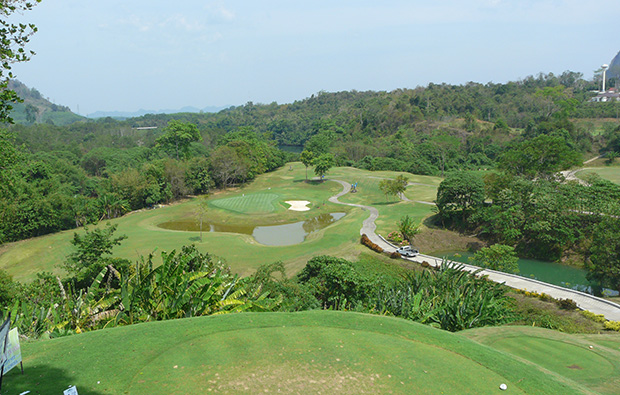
255, 203
307, 352
259, 203
590, 360
610, 173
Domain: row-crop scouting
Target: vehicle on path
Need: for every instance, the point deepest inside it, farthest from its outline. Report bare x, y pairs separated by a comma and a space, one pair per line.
408, 251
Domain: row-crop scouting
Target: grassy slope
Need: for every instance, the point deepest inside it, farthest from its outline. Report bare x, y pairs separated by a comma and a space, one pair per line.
611, 173
568, 356
316, 351
25, 258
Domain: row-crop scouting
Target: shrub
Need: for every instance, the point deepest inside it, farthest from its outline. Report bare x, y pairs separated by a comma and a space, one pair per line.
335, 282
594, 317
395, 255
368, 243
395, 237
567, 304
448, 298
612, 325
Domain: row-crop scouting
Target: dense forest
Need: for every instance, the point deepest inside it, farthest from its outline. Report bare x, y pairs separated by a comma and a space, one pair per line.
58, 177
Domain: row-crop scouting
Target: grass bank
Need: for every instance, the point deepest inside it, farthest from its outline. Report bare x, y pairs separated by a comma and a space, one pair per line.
316, 351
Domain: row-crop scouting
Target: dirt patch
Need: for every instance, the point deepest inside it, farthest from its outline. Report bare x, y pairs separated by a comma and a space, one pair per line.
575, 367
433, 241
295, 379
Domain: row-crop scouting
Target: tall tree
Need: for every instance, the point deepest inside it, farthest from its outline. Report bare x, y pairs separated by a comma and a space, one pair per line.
541, 157
393, 187
604, 263
178, 136
306, 157
13, 39
497, 257
322, 164
459, 192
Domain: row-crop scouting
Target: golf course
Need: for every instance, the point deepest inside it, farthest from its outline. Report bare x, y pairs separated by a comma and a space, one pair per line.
304, 352
260, 203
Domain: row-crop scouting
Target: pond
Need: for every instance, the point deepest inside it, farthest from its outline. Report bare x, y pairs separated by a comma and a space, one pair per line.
549, 272
271, 235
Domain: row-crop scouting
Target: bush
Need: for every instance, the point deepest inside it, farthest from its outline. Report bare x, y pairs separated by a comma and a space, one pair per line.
448, 298
335, 282
368, 243
567, 304
395, 255
594, 317
612, 325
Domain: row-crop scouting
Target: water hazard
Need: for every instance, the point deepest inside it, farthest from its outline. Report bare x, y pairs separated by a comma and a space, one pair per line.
549, 272
272, 235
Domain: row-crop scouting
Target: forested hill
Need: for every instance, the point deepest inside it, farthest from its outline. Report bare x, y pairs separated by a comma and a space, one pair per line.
54, 177
37, 109
519, 104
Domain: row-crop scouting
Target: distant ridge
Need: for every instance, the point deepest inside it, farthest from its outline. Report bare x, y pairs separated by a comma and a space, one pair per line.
141, 112
35, 108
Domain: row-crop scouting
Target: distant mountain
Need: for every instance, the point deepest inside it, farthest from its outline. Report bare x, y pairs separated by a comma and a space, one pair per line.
37, 109
614, 68
141, 112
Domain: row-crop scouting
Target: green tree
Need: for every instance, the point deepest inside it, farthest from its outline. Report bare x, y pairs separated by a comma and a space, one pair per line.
307, 158
542, 156
177, 137
445, 144
322, 164
93, 251
460, 192
497, 257
13, 39
604, 262
408, 228
393, 187
201, 212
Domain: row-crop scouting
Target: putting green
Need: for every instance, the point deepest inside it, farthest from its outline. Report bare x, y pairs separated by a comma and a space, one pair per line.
314, 351
255, 203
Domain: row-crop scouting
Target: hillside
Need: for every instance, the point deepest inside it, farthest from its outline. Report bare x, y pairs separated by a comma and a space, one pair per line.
315, 351
37, 109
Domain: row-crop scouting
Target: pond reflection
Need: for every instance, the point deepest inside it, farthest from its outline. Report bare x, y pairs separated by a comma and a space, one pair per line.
273, 235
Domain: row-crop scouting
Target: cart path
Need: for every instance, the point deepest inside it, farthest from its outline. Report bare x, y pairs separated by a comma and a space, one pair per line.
584, 301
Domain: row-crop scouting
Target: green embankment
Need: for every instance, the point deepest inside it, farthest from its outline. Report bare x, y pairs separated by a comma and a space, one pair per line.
258, 203
590, 360
308, 352
611, 173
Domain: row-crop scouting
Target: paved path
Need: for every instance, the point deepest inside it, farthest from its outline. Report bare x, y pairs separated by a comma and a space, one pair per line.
584, 301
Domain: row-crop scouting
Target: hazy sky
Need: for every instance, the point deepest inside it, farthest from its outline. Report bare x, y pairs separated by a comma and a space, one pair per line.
130, 54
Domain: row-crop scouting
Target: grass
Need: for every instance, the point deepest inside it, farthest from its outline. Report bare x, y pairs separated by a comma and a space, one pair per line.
258, 203
316, 351
611, 173
255, 203
564, 356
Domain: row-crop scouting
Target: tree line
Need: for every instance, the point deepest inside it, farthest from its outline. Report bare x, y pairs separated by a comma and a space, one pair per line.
48, 190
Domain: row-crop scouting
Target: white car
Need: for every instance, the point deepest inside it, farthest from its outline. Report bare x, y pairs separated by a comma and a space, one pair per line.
408, 251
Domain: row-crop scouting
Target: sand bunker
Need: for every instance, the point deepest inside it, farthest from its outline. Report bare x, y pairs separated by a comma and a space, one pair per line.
298, 205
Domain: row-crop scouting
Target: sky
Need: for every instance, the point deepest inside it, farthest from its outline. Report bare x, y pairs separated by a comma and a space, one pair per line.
120, 55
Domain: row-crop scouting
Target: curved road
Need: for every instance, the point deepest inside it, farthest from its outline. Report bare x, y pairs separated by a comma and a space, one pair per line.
584, 301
